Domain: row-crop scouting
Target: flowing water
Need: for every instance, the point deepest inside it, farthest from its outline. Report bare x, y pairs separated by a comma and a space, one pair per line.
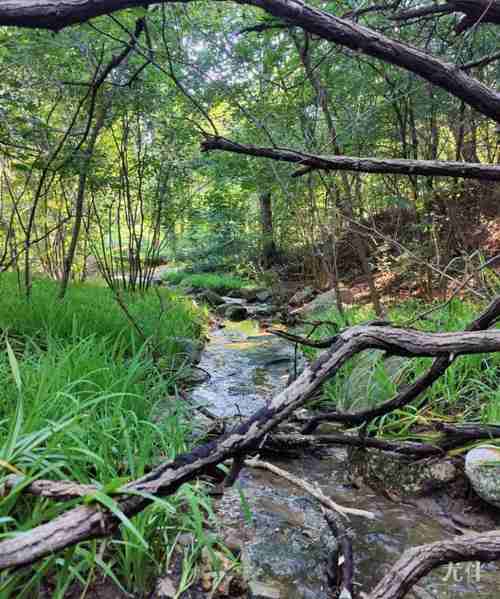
285, 542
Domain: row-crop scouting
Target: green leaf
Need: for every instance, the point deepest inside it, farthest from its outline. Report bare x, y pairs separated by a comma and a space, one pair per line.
112, 506
14, 366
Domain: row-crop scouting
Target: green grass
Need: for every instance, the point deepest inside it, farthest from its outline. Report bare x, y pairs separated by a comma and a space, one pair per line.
221, 283
468, 391
162, 316
82, 399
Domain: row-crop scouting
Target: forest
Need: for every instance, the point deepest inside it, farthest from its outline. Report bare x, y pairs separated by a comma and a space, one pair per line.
249, 299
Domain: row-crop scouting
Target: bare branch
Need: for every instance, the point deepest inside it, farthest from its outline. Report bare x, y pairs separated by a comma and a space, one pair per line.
399, 166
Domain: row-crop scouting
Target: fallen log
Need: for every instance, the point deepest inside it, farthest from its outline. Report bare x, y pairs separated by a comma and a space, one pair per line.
406, 395
408, 448
474, 11
345, 560
395, 166
419, 561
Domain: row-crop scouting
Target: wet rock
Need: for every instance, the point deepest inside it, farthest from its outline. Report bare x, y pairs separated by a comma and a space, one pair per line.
190, 348
249, 293
211, 297
325, 301
264, 296
482, 467
194, 376
285, 540
261, 312
259, 590
221, 310
165, 588
302, 296
399, 476
234, 293
236, 313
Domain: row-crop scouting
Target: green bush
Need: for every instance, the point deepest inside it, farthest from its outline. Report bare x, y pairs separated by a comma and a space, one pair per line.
222, 283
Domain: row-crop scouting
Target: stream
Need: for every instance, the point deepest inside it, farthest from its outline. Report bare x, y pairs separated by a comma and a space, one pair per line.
283, 537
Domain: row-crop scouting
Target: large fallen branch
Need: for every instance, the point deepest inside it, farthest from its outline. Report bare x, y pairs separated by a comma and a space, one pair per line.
410, 392
419, 561
56, 14
91, 521
395, 166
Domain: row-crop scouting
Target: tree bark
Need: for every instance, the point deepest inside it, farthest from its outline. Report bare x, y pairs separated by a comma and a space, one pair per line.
80, 200
419, 561
266, 215
395, 166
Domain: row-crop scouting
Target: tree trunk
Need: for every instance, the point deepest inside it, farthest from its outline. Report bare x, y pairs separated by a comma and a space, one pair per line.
268, 245
80, 200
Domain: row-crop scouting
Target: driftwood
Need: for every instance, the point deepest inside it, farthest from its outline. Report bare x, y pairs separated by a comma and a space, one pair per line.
419, 561
408, 448
345, 561
475, 12
397, 166
91, 521
313, 490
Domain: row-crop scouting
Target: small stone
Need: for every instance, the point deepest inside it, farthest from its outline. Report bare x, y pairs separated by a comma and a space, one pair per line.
212, 298
302, 296
233, 542
165, 588
236, 313
186, 539
221, 310
206, 581
260, 590
482, 467
264, 296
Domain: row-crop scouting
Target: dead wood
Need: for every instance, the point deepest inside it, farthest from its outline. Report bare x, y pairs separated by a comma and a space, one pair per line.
345, 560
419, 561
313, 490
397, 166
92, 521
406, 395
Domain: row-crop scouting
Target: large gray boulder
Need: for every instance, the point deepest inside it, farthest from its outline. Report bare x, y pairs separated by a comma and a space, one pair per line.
264, 295
325, 301
482, 467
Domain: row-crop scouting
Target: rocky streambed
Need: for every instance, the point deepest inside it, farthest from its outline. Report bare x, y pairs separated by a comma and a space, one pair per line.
279, 528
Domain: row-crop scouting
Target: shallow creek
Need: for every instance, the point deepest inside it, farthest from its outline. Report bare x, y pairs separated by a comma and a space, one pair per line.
285, 541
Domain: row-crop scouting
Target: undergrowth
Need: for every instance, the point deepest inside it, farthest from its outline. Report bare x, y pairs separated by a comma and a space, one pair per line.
221, 283
83, 399
468, 391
